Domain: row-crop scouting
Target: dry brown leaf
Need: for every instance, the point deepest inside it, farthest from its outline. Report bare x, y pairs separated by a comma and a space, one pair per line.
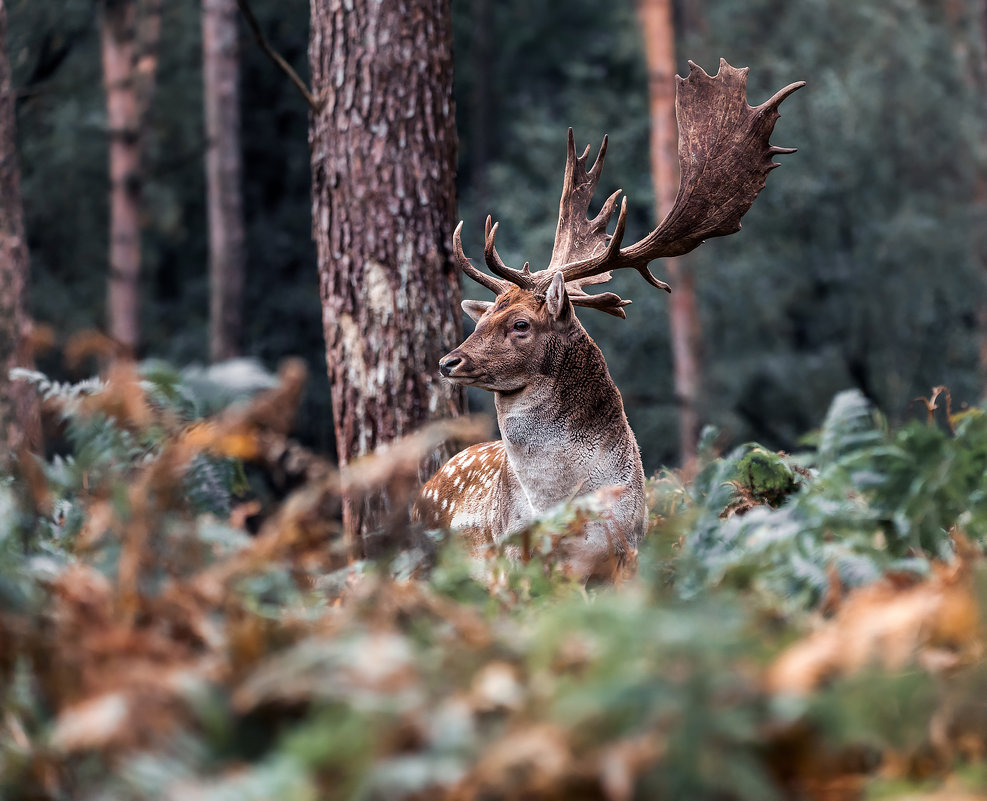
83, 344
403, 457
41, 338
533, 762
122, 398
623, 762
888, 626
496, 688
92, 723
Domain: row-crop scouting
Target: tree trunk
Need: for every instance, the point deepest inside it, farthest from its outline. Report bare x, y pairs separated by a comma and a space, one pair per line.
383, 171
118, 33
658, 28
221, 91
19, 424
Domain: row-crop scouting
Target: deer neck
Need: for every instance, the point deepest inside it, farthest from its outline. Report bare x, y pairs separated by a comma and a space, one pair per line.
556, 429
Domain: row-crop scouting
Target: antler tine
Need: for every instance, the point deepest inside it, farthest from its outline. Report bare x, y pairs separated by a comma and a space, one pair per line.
608, 302
493, 284
602, 220
780, 95
597, 169
520, 277
576, 236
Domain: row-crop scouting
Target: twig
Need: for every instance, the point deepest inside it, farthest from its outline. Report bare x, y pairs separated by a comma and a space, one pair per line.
931, 406
248, 14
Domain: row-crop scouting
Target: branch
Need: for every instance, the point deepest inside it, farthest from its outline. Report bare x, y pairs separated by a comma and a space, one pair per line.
248, 14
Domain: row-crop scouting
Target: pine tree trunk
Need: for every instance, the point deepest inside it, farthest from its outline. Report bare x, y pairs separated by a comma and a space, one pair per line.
221, 90
658, 28
118, 34
383, 170
19, 425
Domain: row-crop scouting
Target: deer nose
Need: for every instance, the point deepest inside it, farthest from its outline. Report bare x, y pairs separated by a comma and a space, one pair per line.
449, 363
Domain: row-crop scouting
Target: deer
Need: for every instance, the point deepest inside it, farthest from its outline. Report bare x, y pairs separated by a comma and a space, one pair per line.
564, 431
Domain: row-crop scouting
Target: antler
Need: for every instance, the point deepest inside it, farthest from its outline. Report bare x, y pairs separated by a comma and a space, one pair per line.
576, 236
724, 160
521, 278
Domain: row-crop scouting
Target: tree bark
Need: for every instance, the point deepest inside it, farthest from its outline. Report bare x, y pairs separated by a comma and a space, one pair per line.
118, 34
658, 27
19, 423
383, 169
221, 91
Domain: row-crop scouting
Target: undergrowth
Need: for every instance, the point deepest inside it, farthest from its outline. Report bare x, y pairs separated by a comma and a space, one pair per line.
799, 626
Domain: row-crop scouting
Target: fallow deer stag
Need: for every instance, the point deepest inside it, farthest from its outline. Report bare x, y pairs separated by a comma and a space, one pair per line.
561, 417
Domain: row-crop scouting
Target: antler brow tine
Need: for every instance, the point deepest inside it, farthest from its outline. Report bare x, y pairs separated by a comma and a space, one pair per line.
520, 277
494, 285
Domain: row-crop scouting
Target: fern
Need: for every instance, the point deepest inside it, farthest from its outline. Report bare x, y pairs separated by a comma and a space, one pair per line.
875, 500
211, 483
851, 424
50, 389
104, 455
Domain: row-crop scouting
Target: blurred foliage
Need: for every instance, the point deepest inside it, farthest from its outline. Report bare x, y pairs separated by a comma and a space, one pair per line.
801, 626
860, 266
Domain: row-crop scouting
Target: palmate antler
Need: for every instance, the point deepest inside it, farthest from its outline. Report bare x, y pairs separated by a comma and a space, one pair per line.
724, 160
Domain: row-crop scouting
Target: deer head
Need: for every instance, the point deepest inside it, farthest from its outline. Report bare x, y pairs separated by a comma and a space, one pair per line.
515, 339
724, 160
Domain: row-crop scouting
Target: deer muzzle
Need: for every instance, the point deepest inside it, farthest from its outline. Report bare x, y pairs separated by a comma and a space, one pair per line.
449, 363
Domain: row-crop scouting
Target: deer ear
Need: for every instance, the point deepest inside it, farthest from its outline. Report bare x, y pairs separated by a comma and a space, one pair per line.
557, 299
476, 308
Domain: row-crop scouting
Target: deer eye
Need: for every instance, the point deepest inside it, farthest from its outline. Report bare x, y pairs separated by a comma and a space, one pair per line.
522, 325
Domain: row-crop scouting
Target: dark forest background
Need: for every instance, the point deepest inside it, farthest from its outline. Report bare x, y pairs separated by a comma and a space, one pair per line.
861, 265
